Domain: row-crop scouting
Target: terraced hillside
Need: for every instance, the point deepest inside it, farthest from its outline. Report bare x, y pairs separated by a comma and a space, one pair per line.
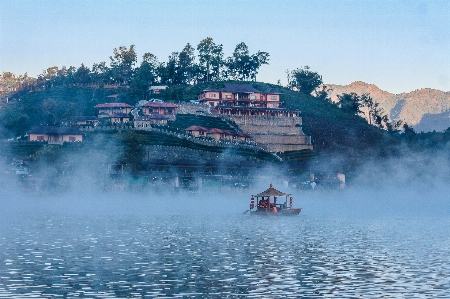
184, 121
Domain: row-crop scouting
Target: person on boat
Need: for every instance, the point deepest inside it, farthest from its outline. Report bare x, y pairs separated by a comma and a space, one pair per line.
261, 204
267, 204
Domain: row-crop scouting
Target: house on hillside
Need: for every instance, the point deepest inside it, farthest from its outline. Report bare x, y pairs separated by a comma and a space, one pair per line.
55, 135
167, 109
196, 131
233, 136
146, 122
215, 134
242, 95
116, 112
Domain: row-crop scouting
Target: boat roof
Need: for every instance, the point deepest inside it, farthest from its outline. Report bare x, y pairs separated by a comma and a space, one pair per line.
271, 192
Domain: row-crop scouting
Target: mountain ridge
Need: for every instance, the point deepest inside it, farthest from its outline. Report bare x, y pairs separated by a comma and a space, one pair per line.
424, 109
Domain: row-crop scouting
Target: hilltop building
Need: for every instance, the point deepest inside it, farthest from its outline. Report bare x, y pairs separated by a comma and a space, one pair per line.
259, 115
243, 95
159, 108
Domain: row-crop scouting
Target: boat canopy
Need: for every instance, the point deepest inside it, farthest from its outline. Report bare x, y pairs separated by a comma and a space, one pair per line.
271, 192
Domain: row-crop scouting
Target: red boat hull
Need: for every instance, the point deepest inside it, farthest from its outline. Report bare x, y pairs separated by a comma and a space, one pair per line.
284, 212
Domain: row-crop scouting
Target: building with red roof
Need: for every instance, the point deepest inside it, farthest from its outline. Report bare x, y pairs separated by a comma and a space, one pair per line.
159, 108
196, 131
116, 112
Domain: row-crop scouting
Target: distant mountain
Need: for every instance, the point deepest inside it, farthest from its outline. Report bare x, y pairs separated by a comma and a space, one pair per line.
424, 109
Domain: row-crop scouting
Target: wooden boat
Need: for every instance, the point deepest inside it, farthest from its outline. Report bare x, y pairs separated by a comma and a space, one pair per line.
270, 202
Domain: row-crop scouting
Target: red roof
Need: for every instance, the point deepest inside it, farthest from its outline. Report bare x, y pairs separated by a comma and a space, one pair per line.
271, 192
196, 128
113, 105
229, 132
160, 105
215, 131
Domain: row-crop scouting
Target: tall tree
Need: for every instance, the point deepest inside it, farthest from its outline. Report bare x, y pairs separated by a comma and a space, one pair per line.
186, 65
259, 59
168, 71
82, 76
123, 63
242, 65
146, 75
210, 59
305, 80
101, 73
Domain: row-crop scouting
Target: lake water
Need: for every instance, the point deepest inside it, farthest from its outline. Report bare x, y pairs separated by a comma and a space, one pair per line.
342, 245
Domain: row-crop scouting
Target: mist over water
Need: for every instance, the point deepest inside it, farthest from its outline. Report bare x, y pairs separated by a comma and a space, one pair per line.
126, 246
383, 239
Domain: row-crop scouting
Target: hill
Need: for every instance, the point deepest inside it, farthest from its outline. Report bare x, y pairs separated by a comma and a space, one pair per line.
425, 109
340, 139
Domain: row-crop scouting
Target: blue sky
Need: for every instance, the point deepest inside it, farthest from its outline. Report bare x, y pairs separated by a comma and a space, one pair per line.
399, 46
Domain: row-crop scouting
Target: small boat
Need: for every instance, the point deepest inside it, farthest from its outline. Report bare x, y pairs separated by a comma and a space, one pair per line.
270, 202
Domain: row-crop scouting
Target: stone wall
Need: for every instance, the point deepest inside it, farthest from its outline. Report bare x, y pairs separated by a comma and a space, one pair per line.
275, 134
275, 148
264, 121
197, 109
281, 139
253, 130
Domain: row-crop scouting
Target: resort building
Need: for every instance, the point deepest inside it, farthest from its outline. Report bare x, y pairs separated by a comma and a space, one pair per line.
146, 122
167, 109
196, 131
116, 112
55, 135
242, 95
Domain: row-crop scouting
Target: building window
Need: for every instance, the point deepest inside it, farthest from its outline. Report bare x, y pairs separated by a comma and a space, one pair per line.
40, 138
228, 96
212, 95
273, 97
72, 138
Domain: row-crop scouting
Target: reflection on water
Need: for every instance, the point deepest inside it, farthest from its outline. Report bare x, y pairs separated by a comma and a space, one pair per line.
213, 255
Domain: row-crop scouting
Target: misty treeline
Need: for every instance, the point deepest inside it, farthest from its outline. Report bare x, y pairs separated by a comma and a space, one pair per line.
189, 66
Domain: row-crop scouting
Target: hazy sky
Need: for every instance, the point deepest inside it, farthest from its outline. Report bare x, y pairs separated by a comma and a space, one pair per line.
399, 46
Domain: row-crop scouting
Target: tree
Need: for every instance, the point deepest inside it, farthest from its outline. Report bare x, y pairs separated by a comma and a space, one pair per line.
82, 76
374, 113
350, 102
132, 151
239, 65
123, 63
146, 75
100, 73
305, 80
258, 60
242, 65
210, 60
186, 65
323, 94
